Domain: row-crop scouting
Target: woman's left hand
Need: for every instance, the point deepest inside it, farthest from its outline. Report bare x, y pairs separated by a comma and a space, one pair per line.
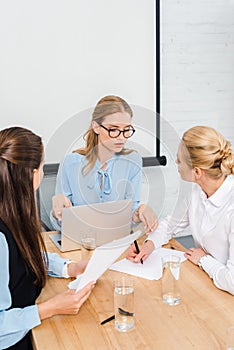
194, 254
146, 214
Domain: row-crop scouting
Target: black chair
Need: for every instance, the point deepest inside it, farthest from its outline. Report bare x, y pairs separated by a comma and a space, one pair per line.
45, 193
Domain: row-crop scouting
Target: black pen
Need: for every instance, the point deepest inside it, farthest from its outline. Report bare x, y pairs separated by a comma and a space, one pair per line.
108, 319
121, 311
138, 250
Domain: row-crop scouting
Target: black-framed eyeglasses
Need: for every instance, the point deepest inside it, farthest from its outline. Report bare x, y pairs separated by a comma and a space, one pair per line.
114, 132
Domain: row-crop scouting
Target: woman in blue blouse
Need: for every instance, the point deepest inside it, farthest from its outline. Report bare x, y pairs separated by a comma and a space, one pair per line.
23, 266
104, 170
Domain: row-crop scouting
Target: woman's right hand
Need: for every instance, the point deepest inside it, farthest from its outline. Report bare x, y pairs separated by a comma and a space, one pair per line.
66, 303
145, 250
59, 201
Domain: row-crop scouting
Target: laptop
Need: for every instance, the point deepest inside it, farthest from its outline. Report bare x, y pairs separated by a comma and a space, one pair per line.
105, 221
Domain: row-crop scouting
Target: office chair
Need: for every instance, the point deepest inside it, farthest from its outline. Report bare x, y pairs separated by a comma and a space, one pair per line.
45, 193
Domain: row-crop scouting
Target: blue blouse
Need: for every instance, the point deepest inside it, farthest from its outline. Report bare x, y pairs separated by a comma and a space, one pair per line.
121, 179
15, 323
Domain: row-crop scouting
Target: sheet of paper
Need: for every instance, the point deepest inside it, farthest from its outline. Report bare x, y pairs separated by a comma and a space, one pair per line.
101, 259
151, 268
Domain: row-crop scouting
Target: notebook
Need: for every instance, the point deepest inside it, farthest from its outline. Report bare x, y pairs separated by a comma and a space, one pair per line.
106, 221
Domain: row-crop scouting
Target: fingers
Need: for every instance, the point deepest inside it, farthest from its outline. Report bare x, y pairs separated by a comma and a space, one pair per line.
148, 217
131, 252
82, 293
83, 299
67, 203
194, 254
145, 251
150, 228
140, 256
57, 215
59, 202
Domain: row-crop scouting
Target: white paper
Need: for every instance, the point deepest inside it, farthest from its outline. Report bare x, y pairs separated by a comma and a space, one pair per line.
151, 269
101, 259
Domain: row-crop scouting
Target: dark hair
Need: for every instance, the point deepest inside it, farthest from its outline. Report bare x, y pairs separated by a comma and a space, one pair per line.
21, 152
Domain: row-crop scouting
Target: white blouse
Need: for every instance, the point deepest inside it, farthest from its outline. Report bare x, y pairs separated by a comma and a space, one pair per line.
212, 226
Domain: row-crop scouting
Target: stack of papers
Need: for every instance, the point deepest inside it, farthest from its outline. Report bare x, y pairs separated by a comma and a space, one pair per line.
151, 269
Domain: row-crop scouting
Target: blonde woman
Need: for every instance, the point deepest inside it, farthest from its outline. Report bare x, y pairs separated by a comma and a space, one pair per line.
104, 170
204, 157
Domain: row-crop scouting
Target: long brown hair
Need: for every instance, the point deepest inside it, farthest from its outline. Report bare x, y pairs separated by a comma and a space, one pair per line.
106, 106
21, 152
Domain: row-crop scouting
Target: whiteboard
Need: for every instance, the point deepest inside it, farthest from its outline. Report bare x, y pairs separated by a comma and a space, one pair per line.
58, 58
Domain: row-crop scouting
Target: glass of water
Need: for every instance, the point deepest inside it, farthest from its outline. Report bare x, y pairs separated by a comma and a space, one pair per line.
170, 279
124, 304
88, 240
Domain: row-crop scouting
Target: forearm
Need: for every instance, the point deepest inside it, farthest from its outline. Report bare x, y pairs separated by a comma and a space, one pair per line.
222, 275
12, 332
46, 310
161, 235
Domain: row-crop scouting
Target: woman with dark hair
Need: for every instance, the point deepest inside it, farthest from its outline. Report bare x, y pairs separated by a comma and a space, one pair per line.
104, 170
23, 266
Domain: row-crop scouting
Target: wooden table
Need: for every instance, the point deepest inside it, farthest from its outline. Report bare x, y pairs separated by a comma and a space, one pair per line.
199, 322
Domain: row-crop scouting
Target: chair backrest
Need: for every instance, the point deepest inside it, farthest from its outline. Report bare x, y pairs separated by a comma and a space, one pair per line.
45, 193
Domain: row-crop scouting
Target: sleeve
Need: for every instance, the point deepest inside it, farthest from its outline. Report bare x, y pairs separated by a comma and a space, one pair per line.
135, 178
62, 186
56, 265
223, 275
62, 181
171, 224
56, 224
14, 323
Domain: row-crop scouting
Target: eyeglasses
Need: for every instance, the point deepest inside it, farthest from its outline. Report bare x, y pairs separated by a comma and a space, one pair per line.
114, 132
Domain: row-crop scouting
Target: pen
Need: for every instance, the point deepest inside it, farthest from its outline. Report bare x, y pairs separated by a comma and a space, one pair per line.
108, 319
121, 311
138, 250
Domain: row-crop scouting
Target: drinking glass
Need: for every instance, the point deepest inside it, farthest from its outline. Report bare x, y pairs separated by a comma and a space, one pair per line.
124, 304
88, 240
170, 279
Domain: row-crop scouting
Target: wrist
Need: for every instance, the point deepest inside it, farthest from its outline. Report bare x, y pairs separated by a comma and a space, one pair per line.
45, 311
150, 244
136, 217
201, 261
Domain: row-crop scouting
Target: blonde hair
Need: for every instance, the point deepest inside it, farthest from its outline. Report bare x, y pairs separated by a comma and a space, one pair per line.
106, 106
208, 150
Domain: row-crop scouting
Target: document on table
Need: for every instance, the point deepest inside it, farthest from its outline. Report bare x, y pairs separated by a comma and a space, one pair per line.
151, 269
101, 259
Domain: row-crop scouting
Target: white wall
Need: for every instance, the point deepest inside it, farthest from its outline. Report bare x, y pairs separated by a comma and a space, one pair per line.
197, 84
58, 58
197, 81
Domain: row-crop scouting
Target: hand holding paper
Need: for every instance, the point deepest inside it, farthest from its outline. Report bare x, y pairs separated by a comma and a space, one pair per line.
101, 259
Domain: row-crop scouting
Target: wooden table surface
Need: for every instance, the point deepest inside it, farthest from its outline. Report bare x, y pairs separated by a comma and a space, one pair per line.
199, 322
